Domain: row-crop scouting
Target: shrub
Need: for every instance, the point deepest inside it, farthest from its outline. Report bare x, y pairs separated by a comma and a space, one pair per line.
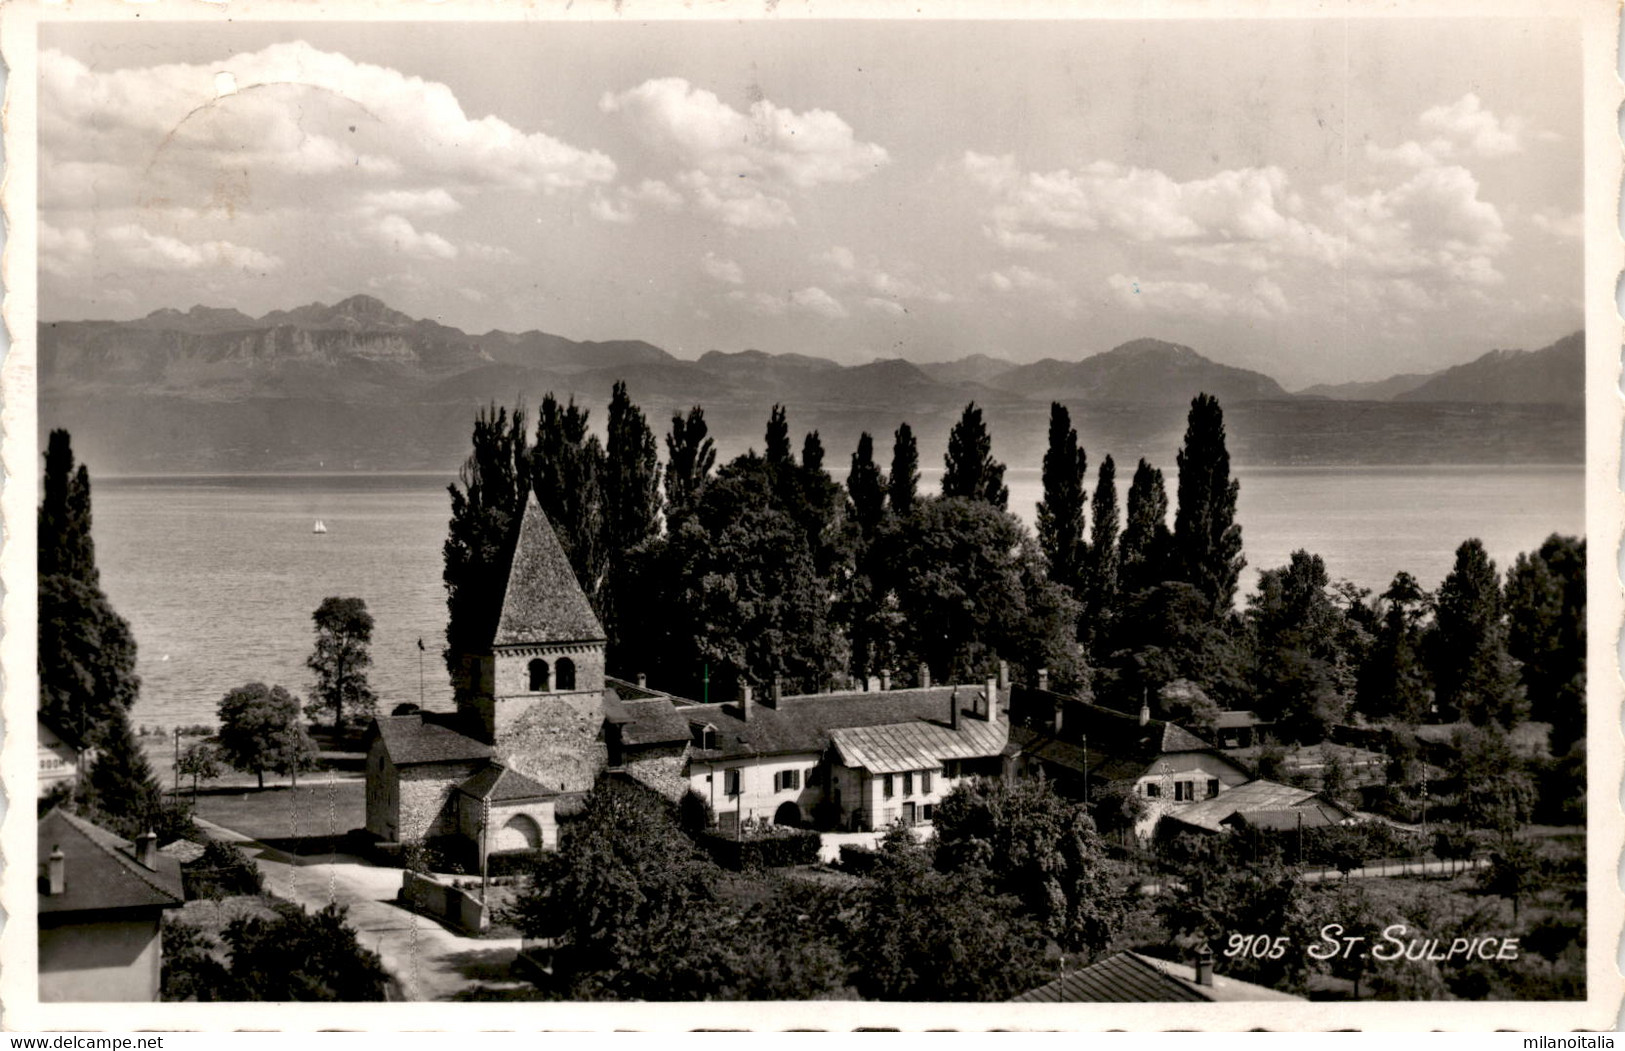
512, 862
221, 871
782, 848
859, 861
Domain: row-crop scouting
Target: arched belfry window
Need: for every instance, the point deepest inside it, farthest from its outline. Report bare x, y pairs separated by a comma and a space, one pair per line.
566, 676
538, 676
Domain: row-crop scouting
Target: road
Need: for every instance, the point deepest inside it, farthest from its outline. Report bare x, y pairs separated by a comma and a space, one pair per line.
429, 961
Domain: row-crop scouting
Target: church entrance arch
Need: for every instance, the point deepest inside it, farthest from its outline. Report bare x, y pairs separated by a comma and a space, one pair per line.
788, 814
520, 833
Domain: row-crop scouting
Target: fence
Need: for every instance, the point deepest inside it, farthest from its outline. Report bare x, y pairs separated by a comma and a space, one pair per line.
458, 907
1420, 865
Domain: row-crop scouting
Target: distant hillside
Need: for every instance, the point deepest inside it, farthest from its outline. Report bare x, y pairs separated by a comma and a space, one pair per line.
1368, 390
359, 386
1144, 370
1554, 374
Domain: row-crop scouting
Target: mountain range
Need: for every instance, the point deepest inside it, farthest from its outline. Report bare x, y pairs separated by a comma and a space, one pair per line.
358, 385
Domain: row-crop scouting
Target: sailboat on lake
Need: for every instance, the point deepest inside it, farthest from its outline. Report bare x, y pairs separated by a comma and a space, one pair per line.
319, 527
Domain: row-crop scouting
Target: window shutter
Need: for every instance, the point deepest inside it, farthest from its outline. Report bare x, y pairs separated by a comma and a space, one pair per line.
925, 781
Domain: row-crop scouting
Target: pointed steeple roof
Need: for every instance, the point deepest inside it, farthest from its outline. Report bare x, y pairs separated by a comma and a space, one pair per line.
544, 602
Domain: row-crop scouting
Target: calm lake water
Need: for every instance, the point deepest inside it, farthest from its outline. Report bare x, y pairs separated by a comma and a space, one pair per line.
218, 576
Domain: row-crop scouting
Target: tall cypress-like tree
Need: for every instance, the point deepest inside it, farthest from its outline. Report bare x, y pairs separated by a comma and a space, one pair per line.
1475, 675
631, 499
778, 437
903, 485
812, 452
1546, 612
1207, 540
1146, 545
1061, 512
971, 471
1393, 681
568, 469
866, 486
690, 456
1100, 580
86, 656
485, 512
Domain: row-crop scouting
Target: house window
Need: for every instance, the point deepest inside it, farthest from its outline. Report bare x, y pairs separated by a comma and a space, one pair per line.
887, 786
566, 674
1184, 791
1212, 787
925, 812
733, 781
925, 781
908, 784
538, 676
786, 779
1153, 791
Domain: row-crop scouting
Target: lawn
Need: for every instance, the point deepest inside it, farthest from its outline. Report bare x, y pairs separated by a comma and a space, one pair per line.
316, 810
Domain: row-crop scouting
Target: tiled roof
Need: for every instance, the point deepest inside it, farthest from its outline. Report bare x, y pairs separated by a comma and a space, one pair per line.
1253, 796
1112, 732
631, 691
1232, 720
1176, 738
897, 747
544, 602
654, 720
427, 737
101, 871
500, 785
1130, 977
1310, 815
803, 723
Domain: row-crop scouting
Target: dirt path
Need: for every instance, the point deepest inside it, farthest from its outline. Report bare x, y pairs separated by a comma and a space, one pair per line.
429, 961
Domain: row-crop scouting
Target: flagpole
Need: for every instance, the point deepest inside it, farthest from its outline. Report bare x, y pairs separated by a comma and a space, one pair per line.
420, 671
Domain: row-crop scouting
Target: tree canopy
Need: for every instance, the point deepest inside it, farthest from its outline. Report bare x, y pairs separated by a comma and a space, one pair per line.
342, 656
260, 730
1207, 539
971, 472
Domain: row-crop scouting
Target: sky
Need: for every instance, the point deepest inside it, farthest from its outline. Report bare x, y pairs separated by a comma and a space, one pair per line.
1320, 200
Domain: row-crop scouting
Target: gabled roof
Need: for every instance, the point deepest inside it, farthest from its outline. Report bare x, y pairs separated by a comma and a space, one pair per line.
101, 871
1254, 796
654, 720
544, 602
1234, 719
897, 747
499, 784
1314, 814
1111, 745
51, 728
804, 723
1130, 977
427, 737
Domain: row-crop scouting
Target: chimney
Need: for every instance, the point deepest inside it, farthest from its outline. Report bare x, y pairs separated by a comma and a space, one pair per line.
1204, 964
1058, 716
1004, 675
777, 693
56, 869
885, 678
871, 684
925, 676
1043, 678
953, 708
993, 700
744, 703
1145, 711
643, 680
146, 849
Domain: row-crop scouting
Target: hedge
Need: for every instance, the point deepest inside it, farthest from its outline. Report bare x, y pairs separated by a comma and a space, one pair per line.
511, 862
791, 847
858, 860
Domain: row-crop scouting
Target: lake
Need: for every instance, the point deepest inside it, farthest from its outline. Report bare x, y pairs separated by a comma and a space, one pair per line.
218, 576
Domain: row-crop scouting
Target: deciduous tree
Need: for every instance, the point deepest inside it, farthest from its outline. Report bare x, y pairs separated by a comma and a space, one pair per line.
341, 659
1207, 539
903, 484
1475, 675
1546, 617
568, 474
866, 486
1100, 590
1061, 511
1147, 545
485, 514
260, 730
690, 456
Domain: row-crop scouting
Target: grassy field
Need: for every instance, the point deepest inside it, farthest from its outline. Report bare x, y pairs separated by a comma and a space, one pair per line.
280, 815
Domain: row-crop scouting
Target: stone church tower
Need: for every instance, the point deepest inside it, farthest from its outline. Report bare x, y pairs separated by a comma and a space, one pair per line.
538, 697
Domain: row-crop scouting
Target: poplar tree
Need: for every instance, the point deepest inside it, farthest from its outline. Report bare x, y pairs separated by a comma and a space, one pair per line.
487, 502
866, 486
690, 456
903, 486
1207, 540
1146, 543
971, 471
631, 498
1477, 678
812, 452
568, 469
1100, 578
1061, 512
778, 436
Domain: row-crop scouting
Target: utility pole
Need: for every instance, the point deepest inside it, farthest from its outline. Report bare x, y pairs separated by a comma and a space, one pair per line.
705, 696
420, 671
485, 844
177, 760
1085, 739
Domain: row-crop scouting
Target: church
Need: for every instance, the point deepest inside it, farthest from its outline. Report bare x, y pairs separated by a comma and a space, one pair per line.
537, 721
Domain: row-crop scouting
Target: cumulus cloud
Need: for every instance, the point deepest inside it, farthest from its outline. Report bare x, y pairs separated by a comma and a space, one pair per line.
848, 269
141, 247
1475, 128
811, 300
724, 270
406, 239
1020, 279
886, 306
430, 202
606, 210
1567, 225
817, 301
653, 192
742, 167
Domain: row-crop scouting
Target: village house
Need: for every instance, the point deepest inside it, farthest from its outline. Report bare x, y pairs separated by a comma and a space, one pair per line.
61, 757
1086, 748
1131, 977
101, 905
1259, 804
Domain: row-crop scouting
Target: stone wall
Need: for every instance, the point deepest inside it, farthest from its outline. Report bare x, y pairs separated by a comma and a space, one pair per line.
557, 739
382, 793
425, 795
662, 768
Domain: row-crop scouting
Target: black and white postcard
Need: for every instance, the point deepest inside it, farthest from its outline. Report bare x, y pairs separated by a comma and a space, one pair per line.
1060, 516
